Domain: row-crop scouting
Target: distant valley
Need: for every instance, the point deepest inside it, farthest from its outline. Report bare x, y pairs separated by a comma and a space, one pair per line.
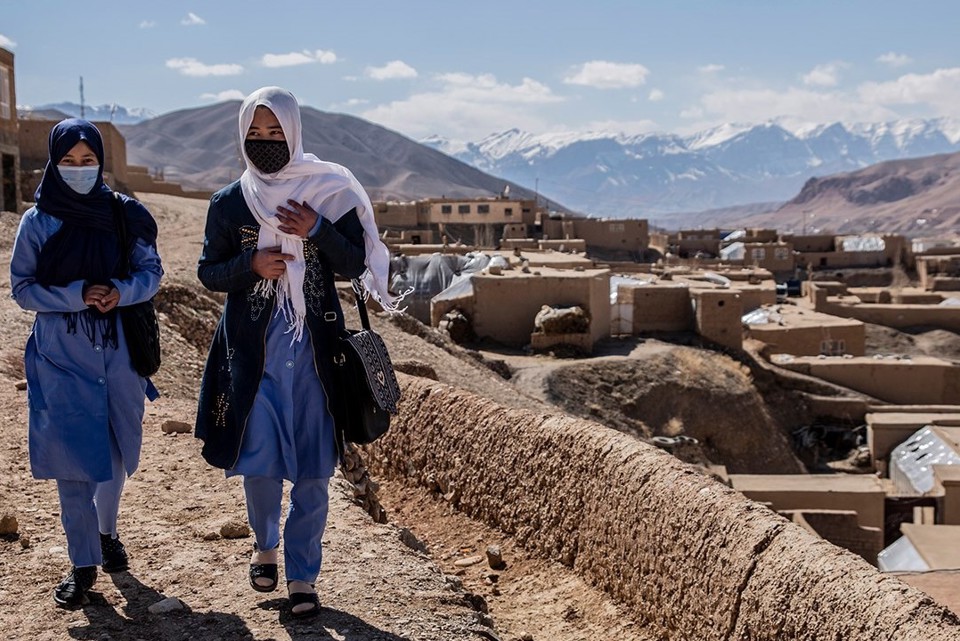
654, 175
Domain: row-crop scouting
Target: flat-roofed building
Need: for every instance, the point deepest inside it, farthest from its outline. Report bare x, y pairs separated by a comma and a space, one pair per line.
9, 136
862, 494
787, 329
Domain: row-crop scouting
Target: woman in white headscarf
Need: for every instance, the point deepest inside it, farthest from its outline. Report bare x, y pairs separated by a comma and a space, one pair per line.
268, 400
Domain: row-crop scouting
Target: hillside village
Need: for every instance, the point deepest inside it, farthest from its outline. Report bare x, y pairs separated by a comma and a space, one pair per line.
858, 445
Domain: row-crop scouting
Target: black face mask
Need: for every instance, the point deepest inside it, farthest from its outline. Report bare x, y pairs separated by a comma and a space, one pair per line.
269, 156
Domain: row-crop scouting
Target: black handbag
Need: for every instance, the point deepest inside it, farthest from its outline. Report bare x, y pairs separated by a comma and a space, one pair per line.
368, 387
140, 325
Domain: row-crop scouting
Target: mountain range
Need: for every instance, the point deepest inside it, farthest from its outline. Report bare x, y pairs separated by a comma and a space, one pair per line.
834, 176
198, 148
652, 175
114, 113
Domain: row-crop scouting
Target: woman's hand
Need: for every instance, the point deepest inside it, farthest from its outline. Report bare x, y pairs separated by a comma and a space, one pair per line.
102, 297
298, 219
269, 263
111, 300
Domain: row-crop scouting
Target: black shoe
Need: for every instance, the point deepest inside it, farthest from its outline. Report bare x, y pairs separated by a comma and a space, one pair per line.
72, 591
114, 554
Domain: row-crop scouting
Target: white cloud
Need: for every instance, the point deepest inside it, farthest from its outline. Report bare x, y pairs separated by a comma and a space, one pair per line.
707, 69
760, 105
467, 107
193, 67
221, 96
628, 127
6, 42
355, 102
393, 70
656, 95
147, 24
692, 112
601, 74
192, 20
298, 58
939, 90
825, 75
895, 60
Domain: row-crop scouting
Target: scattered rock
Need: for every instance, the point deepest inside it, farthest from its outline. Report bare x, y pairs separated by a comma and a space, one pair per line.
454, 582
234, 530
211, 536
21, 385
170, 604
477, 602
25, 542
468, 561
495, 557
409, 539
8, 525
176, 427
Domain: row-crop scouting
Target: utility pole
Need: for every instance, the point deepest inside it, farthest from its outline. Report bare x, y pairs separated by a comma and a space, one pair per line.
82, 114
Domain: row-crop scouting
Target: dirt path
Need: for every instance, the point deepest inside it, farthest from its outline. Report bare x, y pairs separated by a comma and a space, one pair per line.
373, 586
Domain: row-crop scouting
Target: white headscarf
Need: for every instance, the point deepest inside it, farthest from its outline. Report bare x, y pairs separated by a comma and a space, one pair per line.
330, 189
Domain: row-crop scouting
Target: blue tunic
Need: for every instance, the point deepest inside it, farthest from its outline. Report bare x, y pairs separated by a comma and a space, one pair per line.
289, 433
78, 389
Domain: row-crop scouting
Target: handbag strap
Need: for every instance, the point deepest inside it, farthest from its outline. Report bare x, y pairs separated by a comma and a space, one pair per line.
120, 220
359, 294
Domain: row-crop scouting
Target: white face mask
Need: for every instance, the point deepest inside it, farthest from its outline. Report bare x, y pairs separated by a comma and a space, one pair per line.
80, 179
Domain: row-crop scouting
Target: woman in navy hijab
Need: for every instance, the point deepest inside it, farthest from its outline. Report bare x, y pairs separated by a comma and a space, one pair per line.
85, 398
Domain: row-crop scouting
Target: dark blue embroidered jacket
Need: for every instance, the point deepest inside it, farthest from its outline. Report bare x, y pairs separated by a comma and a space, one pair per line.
236, 359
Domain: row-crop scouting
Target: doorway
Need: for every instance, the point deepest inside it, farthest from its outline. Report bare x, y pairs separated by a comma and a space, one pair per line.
8, 178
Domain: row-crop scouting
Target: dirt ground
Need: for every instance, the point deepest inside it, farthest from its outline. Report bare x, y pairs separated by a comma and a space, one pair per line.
407, 579
374, 584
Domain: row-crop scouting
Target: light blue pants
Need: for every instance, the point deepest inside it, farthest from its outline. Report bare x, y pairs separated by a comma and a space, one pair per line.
88, 509
303, 531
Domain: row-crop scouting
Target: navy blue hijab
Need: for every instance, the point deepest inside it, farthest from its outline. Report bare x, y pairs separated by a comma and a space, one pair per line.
87, 246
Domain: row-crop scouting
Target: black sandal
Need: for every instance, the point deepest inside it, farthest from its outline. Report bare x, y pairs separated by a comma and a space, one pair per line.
263, 571
304, 598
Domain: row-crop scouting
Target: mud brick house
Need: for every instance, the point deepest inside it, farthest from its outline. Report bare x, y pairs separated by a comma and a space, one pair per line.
9, 136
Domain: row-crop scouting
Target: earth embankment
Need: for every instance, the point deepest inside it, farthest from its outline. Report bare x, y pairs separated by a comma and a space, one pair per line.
692, 558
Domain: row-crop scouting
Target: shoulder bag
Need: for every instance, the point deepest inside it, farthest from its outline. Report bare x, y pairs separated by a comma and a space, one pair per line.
368, 384
140, 325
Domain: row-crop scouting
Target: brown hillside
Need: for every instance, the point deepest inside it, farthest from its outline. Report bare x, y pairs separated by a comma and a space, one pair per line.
916, 197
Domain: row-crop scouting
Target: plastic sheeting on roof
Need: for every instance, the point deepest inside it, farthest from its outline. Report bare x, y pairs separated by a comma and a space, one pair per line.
431, 274
761, 316
862, 244
716, 279
949, 302
616, 281
911, 463
733, 251
901, 556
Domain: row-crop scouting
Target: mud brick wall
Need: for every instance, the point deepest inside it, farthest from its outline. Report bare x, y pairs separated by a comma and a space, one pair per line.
692, 557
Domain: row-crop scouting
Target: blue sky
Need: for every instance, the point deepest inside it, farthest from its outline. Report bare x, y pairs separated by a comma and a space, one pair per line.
466, 70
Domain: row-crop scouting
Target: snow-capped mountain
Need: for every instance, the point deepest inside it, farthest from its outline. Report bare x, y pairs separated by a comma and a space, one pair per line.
114, 113
617, 175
